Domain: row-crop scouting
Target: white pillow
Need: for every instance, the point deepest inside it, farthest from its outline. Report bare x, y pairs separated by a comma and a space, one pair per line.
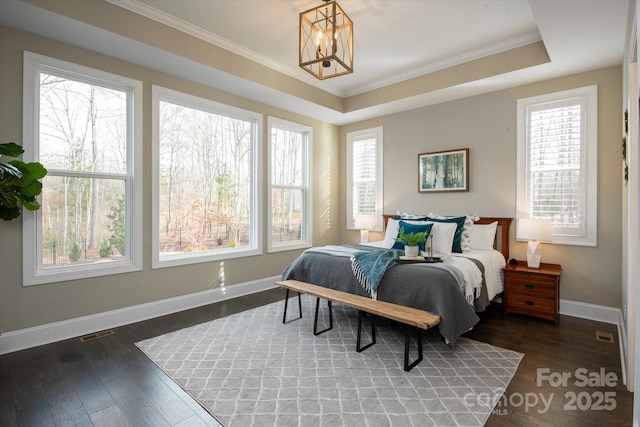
465, 236
443, 234
391, 232
483, 235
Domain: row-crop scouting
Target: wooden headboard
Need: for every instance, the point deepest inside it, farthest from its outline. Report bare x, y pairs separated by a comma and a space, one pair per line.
503, 225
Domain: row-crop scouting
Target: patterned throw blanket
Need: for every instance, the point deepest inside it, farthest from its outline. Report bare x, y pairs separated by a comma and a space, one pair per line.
369, 267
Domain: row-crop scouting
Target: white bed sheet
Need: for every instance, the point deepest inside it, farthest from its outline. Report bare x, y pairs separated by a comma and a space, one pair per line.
493, 262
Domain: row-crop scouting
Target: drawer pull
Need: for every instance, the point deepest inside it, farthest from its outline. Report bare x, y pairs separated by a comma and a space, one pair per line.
529, 302
528, 286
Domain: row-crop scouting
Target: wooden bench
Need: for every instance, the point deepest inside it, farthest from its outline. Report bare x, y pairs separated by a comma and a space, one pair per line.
415, 319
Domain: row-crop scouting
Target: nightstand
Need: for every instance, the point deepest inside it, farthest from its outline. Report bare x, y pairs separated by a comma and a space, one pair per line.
532, 291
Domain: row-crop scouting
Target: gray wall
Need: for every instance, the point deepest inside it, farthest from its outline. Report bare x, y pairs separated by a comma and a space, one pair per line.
486, 124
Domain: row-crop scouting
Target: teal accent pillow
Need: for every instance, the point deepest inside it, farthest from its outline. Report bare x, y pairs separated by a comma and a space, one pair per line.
457, 237
412, 228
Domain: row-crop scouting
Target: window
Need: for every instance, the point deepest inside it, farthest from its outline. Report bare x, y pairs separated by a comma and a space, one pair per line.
557, 163
205, 170
83, 125
290, 201
364, 178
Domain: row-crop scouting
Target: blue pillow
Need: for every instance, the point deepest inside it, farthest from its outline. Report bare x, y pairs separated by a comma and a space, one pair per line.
412, 228
457, 237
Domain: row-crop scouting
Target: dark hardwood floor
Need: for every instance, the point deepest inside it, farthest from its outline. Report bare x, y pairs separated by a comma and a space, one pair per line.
559, 357
109, 382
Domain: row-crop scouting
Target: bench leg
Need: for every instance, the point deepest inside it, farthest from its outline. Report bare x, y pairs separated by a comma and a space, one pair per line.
373, 331
315, 321
286, 303
407, 341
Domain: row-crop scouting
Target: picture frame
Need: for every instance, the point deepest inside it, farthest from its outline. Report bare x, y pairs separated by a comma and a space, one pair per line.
443, 171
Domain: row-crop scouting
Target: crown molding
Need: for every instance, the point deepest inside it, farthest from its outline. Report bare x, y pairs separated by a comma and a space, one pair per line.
450, 62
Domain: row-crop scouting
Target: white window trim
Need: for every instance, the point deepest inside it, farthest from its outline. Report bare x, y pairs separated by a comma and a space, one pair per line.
306, 230
33, 274
158, 94
590, 93
377, 133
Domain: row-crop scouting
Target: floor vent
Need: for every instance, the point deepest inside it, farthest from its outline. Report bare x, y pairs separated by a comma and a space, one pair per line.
604, 336
97, 335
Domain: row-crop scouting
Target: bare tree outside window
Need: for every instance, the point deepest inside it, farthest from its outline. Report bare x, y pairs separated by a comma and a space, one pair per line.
204, 179
287, 189
83, 145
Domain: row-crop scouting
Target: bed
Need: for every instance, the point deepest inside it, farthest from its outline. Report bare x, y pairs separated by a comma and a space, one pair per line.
441, 288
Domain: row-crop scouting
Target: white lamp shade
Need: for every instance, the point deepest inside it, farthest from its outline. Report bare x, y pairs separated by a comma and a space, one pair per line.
534, 229
364, 223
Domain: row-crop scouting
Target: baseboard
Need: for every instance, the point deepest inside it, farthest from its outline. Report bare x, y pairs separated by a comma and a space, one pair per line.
583, 310
52, 332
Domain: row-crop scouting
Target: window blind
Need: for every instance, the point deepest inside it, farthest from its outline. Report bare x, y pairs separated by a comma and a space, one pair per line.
557, 186
364, 177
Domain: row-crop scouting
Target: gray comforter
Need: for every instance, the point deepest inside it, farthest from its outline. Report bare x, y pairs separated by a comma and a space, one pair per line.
423, 286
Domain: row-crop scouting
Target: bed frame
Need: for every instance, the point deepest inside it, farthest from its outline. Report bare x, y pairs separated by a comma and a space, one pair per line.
501, 242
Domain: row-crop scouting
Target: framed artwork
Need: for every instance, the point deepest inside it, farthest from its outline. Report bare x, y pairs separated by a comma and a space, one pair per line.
443, 171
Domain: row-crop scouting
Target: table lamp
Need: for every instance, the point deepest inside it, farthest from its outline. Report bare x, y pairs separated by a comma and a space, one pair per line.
535, 231
364, 223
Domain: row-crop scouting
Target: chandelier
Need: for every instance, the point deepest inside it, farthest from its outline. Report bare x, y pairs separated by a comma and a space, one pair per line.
326, 41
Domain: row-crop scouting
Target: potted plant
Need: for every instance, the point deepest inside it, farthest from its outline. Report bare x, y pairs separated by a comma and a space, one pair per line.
19, 183
411, 241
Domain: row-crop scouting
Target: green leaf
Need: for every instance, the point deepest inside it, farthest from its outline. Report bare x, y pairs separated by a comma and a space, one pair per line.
7, 213
30, 171
19, 164
36, 170
411, 239
24, 182
10, 149
8, 199
31, 205
33, 189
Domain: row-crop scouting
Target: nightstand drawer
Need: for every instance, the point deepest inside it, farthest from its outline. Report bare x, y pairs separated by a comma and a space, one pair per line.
529, 303
541, 286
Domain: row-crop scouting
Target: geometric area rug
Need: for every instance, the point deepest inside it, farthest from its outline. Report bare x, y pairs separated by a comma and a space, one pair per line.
250, 369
